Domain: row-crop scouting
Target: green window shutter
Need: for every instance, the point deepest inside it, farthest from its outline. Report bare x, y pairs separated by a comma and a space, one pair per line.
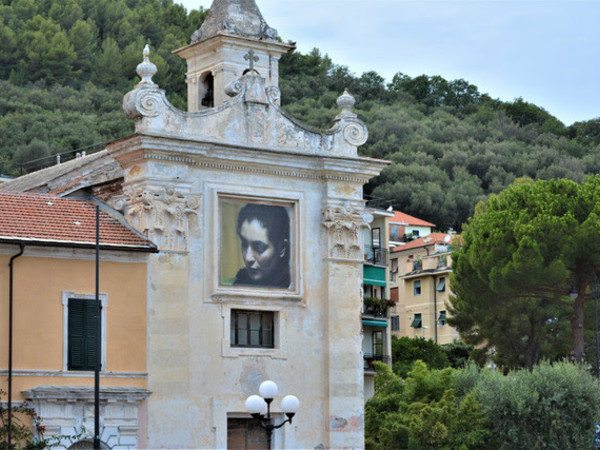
442, 318
90, 340
82, 334
76, 333
416, 321
441, 287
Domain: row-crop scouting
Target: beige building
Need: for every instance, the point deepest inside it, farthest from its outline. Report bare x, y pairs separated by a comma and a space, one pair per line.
259, 221
420, 270
47, 270
376, 297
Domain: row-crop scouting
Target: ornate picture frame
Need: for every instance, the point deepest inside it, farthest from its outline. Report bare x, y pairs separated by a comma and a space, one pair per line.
256, 243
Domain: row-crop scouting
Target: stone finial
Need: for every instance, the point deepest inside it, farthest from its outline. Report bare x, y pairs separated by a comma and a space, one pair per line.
146, 69
346, 101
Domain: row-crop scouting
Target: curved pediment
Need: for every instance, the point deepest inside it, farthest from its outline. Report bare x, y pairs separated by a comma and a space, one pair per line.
251, 118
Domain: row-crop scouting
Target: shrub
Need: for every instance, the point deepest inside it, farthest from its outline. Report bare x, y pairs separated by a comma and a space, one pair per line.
554, 406
422, 412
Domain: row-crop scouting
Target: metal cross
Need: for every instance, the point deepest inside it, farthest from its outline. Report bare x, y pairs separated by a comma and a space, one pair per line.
250, 56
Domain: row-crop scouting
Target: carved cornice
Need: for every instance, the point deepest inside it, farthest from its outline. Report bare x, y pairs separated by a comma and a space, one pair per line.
129, 151
86, 394
163, 214
343, 224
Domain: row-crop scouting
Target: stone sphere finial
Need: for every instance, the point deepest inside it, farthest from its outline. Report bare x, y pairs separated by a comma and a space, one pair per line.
346, 101
146, 69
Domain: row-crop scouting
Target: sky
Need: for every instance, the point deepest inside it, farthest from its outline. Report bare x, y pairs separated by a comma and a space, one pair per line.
547, 52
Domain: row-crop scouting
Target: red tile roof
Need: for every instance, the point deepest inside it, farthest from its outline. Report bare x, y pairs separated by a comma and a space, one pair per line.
49, 219
402, 218
425, 241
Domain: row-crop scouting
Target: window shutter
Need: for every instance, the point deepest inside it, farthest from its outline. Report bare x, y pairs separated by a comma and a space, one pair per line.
82, 334
76, 334
441, 287
416, 321
90, 331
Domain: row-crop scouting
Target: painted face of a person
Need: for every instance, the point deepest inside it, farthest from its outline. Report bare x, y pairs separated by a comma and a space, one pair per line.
260, 254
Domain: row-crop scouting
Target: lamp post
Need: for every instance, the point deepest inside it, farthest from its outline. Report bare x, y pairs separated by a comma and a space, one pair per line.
259, 406
595, 288
425, 327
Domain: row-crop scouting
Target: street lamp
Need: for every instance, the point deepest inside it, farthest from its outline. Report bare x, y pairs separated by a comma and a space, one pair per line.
424, 328
595, 288
259, 406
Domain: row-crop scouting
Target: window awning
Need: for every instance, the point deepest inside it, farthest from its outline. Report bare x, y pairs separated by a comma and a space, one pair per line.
416, 323
441, 284
375, 323
442, 318
374, 275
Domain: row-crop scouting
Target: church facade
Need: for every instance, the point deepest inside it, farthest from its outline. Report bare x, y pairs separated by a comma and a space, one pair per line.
259, 222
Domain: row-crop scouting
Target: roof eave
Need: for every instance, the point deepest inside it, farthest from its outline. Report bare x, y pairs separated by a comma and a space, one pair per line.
74, 244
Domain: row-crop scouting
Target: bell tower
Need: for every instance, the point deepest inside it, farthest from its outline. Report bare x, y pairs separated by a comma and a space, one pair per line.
233, 39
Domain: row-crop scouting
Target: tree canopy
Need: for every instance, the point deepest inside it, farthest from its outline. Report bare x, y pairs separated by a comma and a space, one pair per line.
521, 255
553, 406
450, 145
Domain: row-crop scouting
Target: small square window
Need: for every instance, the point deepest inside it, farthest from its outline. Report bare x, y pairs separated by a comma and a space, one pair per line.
441, 286
416, 323
252, 329
417, 287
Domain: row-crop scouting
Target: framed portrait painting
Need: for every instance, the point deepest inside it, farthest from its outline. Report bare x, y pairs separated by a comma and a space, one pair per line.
256, 243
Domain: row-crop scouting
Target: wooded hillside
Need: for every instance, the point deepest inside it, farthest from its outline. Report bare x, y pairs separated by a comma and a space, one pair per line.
66, 64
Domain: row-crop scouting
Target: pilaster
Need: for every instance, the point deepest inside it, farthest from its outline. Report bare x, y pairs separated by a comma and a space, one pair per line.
342, 223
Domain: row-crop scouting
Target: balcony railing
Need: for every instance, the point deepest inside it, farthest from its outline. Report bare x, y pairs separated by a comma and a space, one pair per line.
375, 307
369, 359
378, 256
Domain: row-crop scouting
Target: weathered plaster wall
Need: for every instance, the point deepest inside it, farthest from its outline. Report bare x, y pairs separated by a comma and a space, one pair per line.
196, 377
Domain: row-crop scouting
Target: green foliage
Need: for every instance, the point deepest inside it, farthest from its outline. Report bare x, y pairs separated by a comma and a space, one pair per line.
405, 351
421, 411
75, 41
553, 406
525, 114
36, 122
522, 252
458, 353
450, 145
27, 429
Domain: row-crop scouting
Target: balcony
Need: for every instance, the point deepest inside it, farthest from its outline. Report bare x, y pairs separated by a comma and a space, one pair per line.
369, 359
376, 256
375, 307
